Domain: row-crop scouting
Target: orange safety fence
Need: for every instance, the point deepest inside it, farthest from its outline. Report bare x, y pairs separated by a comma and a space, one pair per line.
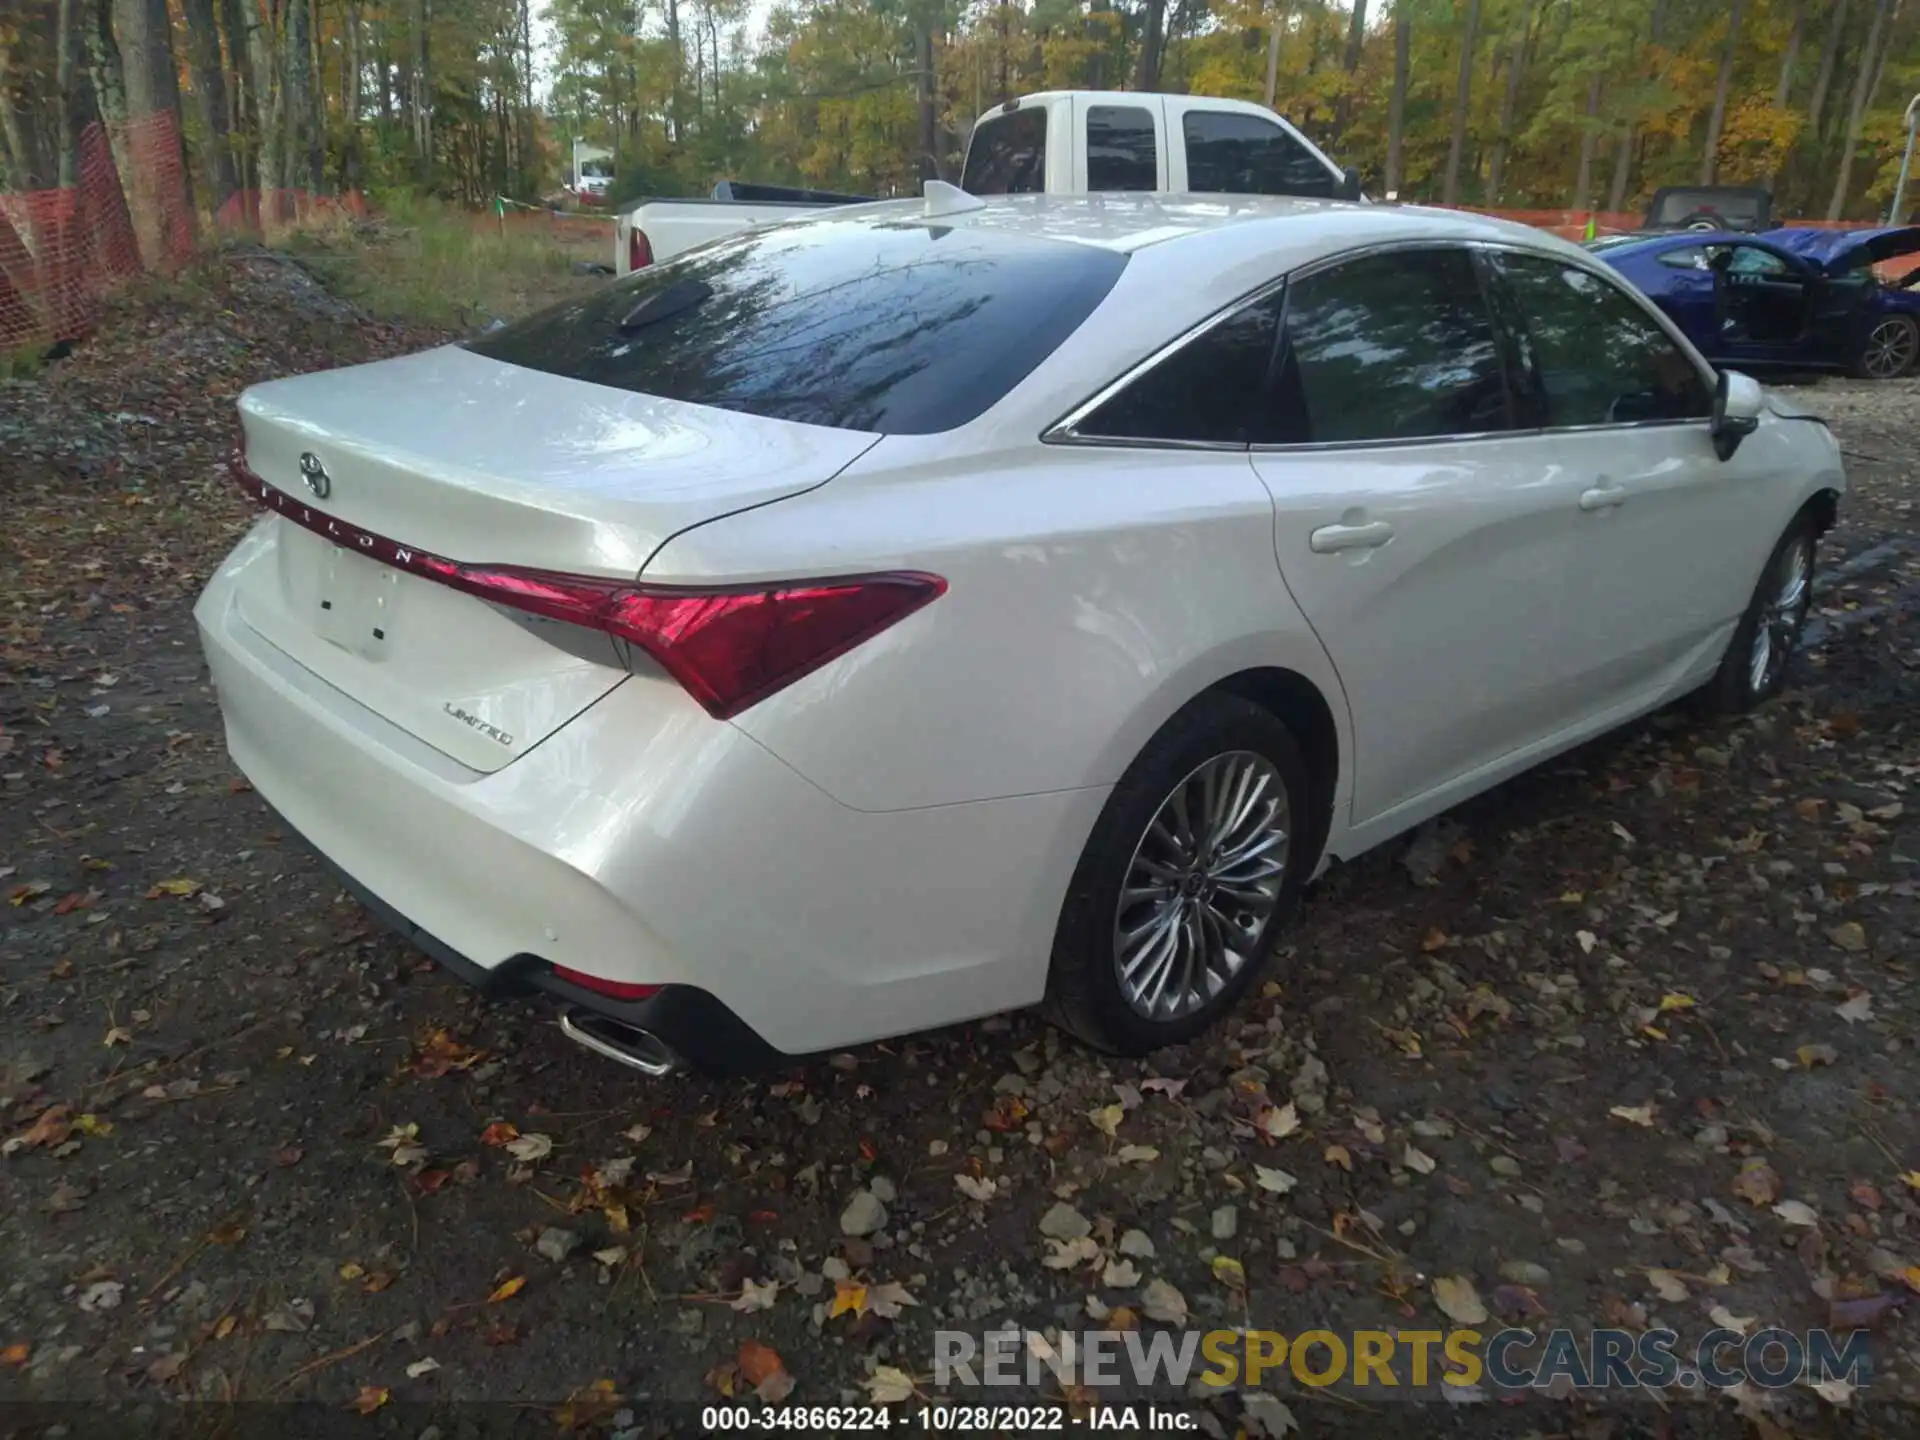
130, 210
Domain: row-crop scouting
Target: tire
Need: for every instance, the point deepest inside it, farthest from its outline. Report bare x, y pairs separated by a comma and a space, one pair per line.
1743, 682
1217, 737
1891, 346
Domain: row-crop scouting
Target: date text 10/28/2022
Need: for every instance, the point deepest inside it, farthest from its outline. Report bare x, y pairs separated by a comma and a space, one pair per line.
948, 1419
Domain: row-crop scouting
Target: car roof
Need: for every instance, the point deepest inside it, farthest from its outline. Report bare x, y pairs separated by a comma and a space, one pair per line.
1132, 221
1630, 246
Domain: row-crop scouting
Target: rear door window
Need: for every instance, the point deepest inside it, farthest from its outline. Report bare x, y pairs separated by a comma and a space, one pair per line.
1008, 154
905, 327
1237, 154
1122, 153
1392, 346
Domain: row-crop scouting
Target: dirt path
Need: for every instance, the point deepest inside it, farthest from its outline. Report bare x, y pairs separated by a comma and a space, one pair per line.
1629, 1042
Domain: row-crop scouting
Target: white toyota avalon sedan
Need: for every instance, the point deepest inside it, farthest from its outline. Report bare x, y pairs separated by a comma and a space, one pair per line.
935, 608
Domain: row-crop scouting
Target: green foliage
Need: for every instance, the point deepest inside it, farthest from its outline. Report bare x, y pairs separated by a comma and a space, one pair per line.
828, 94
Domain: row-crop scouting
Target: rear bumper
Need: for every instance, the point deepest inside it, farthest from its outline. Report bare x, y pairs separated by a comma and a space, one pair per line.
694, 1023
645, 842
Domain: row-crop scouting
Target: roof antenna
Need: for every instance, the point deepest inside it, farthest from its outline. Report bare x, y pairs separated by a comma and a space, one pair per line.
945, 199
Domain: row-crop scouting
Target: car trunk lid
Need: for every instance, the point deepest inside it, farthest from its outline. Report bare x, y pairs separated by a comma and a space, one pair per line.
377, 471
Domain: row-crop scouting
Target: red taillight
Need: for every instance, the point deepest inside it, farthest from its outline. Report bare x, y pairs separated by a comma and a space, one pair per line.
728, 646
639, 249
612, 989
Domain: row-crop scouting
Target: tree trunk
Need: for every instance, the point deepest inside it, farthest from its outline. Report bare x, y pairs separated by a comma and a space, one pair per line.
1509, 102
1717, 117
420, 90
262, 46
162, 207
1397, 102
1856, 111
1276, 30
1153, 40
1823, 78
243, 125
210, 95
108, 76
1624, 151
1783, 87
1463, 88
1350, 63
306, 147
1589, 139
923, 91
356, 73
679, 65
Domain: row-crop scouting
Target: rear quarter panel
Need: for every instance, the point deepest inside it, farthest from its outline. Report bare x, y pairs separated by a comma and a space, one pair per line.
1092, 593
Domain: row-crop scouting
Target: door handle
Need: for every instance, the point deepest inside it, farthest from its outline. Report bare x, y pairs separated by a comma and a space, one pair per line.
1603, 497
1331, 539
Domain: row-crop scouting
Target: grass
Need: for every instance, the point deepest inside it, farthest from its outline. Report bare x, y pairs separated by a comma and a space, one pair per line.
22, 362
432, 263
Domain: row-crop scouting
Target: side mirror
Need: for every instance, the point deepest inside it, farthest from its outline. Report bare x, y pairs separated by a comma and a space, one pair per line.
1737, 403
1349, 187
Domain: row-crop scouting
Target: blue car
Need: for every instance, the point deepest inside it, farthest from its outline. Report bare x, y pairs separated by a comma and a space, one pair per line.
1785, 299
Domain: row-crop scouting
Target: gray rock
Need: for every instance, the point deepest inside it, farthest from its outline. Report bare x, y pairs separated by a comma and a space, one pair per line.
864, 1214
1226, 1223
883, 1189
1523, 1272
556, 1244
1063, 1222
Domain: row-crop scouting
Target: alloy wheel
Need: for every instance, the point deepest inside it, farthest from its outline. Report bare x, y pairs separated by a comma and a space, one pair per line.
1891, 348
1781, 615
1204, 881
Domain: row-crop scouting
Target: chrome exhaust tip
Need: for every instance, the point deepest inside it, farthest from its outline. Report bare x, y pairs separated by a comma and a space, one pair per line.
622, 1043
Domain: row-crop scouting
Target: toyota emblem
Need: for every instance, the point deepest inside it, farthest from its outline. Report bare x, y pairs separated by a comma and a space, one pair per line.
315, 474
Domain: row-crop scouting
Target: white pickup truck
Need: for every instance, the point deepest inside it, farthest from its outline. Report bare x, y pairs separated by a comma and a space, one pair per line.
1059, 142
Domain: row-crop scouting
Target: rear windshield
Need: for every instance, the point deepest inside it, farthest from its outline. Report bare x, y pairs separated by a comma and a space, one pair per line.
905, 327
1008, 154
1731, 209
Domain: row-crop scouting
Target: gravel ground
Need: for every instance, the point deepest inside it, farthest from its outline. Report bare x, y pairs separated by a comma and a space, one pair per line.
1628, 1042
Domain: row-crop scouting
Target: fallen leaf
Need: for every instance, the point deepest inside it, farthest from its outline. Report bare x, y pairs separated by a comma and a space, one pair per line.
507, 1289
888, 1386
889, 1299
498, 1133
370, 1399
180, 886
1276, 1122
611, 1256
352, 1270
1796, 1212
1070, 1254
1229, 1272
1278, 1182
1850, 937
1418, 1160
1137, 1154
425, 1365
52, 1128
1161, 1301
1857, 1009
1106, 1119
848, 1296
1835, 1391
1339, 1155
1863, 1313
1457, 1298
1166, 1087
756, 1295
1641, 1115
975, 1187
1812, 1055
16, 1354
102, 1295
1120, 1275
1727, 1320
1668, 1286
759, 1362
529, 1148
1757, 1183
